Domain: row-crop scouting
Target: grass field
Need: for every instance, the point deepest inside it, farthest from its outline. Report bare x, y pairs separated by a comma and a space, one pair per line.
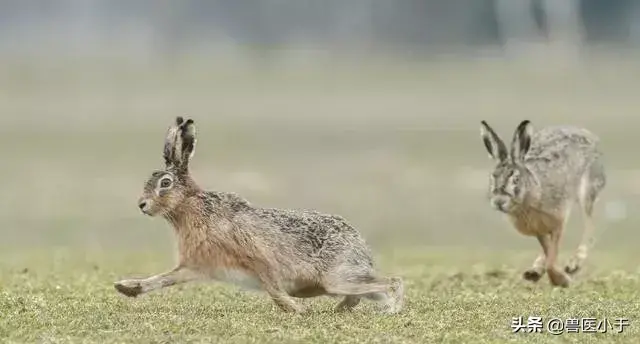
68, 297
396, 150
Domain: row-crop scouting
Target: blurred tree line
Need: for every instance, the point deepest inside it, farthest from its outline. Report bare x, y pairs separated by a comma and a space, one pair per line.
424, 25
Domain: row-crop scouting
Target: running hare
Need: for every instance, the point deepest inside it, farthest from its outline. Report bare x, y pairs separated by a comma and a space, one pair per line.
536, 184
287, 253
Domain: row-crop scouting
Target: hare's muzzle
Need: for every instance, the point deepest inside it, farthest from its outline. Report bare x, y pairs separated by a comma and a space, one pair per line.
502, 204
144, 205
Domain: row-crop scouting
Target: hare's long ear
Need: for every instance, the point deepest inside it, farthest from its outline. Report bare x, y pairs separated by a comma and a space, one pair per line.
180, 144
496, 148
521, 140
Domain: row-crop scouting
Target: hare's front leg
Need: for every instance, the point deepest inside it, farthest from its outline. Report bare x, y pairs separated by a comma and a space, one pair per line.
135, 287
537, 269
557, 277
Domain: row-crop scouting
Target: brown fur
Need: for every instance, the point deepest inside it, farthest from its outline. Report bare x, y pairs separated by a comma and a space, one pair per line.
531, 221
287, 253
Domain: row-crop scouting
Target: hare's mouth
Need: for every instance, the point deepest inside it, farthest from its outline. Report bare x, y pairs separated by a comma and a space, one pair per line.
502, 210
149, 212
502, 205
146, 207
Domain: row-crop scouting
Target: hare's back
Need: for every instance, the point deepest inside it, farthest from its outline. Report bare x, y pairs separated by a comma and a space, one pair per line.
311, 230
306, 222
563, 148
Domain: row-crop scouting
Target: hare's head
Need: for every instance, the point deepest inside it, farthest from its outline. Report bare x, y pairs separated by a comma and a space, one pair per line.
167, 188
511, 180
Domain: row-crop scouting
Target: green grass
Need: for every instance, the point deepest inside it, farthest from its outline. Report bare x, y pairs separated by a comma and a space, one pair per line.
67, 297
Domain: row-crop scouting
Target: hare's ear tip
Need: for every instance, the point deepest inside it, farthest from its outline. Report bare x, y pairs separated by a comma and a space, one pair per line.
189, 121
179, 120
525, 125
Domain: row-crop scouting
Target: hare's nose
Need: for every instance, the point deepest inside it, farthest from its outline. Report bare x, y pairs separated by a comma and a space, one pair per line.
142, 204
501, 204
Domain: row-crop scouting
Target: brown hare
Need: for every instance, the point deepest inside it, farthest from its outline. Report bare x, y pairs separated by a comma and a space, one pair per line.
537, 182
286, 253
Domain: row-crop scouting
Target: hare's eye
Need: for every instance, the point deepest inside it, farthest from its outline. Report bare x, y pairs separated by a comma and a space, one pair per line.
165, 183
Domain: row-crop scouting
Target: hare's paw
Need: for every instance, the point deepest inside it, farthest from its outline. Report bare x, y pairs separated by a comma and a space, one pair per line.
395, 297
559, 278
348, 303
532, 275
294, 308
573, 266
131, 288
289, 306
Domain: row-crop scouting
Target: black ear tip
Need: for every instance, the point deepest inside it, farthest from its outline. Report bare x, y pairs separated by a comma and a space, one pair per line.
189, 121
179, 120
525, 122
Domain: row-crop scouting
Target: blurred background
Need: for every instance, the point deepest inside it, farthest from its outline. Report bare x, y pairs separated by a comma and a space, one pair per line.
365, 108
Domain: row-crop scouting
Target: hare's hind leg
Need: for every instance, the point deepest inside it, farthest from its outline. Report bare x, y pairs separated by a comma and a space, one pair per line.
590, 187
280, 296
348, 303
284, 301
389, 291
394, 298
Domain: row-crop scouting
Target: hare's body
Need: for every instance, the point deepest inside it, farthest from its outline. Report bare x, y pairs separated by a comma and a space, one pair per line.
237, 242
565, 161
538, 181
287, 253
